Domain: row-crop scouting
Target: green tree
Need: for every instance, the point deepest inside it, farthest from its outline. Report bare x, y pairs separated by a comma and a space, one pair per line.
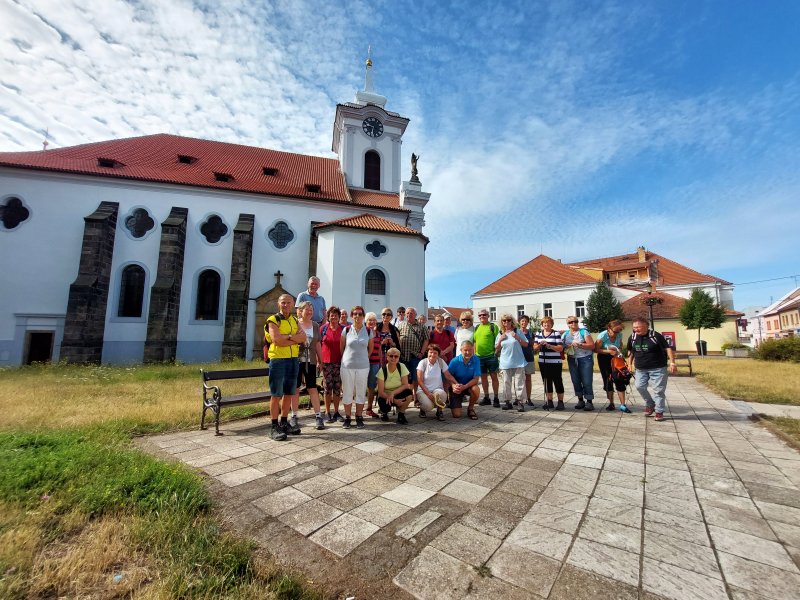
701, 312
601, 307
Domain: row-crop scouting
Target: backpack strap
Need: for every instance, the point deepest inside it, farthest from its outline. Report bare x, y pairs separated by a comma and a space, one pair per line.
385, 373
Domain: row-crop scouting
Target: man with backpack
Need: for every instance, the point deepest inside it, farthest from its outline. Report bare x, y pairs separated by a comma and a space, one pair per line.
284, 336
484, 336
649, 353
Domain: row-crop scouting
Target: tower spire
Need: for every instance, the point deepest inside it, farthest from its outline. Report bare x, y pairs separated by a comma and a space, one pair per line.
368, 95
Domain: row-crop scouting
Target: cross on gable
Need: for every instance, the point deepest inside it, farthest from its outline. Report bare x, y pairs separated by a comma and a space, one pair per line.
278, 276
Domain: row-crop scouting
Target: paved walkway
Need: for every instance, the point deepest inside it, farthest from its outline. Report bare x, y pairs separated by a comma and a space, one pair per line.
552, 505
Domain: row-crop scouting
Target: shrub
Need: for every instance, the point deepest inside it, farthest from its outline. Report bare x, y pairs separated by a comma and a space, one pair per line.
732, 346
786, 349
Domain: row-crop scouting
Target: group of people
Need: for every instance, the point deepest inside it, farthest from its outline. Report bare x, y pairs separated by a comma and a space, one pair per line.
389, 362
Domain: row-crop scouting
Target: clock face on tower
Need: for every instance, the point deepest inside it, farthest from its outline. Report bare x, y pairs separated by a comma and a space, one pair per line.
372, 127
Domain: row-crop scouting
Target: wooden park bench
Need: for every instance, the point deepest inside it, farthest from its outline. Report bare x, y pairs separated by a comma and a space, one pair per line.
214, 400
683, 360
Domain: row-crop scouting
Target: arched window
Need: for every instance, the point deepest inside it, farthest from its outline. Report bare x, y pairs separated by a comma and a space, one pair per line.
375, 283
372, 170
131, 292
208, 284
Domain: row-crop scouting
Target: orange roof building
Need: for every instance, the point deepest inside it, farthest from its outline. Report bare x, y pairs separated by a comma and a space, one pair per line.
164, 247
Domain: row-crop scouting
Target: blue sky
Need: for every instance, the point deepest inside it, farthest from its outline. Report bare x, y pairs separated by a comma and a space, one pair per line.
576, 129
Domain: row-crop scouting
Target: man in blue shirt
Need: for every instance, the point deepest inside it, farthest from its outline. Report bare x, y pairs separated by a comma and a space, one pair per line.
317, 301
466, 370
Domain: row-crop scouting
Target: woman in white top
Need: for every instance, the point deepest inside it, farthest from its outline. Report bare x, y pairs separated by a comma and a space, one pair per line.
509, 343
356, 346
431, 374
465, 331
310, 357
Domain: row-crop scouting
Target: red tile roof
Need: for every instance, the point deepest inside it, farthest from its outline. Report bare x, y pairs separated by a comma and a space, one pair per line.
669, 272
371, 223
155, 158
453, 311
375, 199
541, 272
668, 309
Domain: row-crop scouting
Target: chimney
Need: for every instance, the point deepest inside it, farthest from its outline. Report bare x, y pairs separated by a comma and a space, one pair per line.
642, 254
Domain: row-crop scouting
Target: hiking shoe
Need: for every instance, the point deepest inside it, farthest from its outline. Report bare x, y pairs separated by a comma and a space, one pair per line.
507, 405
485, 401
659, 417
292, 427
293, 422
439, 414
580, 405
359, 422
648, 411
624, 408
384, 416
529, 403
401, 419
521, 407
559, 406
548, 405
496, 403
278, 434
422, 414
320, 422
338, 416
331, 418
588, 406
347, 424
611, 407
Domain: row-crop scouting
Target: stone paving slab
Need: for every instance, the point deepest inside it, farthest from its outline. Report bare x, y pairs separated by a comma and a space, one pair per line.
578, 505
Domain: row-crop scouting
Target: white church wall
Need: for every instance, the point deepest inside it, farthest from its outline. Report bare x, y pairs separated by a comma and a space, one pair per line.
562, 301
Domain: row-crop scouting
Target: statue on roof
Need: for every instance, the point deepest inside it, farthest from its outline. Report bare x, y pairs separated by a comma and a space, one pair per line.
414, 176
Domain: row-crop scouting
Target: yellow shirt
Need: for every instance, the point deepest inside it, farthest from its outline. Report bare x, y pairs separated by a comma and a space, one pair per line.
286, 326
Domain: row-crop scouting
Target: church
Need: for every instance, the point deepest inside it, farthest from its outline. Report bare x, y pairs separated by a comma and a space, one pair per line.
162, 247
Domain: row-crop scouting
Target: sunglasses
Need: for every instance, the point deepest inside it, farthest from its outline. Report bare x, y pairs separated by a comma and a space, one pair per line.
392, 356
571, 322
481, 316
506, 320
386, 314
466, 320
357, 314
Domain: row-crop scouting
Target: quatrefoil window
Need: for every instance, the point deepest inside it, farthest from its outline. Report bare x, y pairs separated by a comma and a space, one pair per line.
214, 229
13, 212
376, 248
281, 235
139, 222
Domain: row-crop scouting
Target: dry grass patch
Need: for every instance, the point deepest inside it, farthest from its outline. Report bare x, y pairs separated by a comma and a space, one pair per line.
789, 428
751, 380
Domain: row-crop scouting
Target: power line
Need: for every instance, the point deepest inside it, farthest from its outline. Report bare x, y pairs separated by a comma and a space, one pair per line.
766, 280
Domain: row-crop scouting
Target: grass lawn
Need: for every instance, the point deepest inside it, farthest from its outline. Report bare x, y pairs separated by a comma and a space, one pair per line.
85, 514
751, 380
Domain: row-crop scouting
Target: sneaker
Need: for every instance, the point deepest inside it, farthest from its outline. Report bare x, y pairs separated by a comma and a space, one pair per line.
559, 406
580, 405
648, 411
359, 422
384, 416
331, 418
292, 426
588, 406
401, 419
529, 403
278, 434
485, 401
521, 407
320, 422
659, 417
439, 414
507, 405
338, 417
624, 408
548, 405
371, 413
496, 402
422, 414
347, 424
611, 407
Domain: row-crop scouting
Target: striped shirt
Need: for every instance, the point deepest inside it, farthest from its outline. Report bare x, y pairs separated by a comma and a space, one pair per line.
546, 355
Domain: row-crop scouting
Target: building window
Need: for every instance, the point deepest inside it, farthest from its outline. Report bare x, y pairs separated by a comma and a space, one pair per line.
376, 249
13, 212
580, 309
208, 284
280, 235
769, 325
214, 229
372, 170
520, 310
493, 313
375, 283
632, 274
131, 292
547, 309
139, 222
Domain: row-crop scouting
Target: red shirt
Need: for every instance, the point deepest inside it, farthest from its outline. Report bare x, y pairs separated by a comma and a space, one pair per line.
443, 340
330, 340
